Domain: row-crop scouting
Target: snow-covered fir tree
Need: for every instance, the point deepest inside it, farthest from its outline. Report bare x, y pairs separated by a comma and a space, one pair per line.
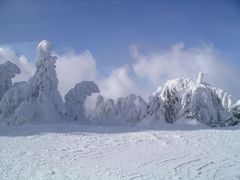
76, 97
44, 83
39, 100
8, 71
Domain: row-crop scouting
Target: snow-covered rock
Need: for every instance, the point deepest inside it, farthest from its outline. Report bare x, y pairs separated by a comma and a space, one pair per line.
76, 97
8, 71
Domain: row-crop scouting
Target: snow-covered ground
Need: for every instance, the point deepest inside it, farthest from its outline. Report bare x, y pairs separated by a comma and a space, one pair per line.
70, 151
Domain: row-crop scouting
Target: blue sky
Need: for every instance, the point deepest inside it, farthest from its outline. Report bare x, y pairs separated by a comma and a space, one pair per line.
109, 28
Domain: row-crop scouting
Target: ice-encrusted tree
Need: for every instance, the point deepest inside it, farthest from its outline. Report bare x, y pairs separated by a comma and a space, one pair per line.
155, 111
44, 83
235, 109
104, 112
184, 98
37, 98
128, 110
13, 98
171, 96
8, 71
76, 97
134, 109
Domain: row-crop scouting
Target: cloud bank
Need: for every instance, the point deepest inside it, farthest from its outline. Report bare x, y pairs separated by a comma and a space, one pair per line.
74, 67
152, 69
178, 61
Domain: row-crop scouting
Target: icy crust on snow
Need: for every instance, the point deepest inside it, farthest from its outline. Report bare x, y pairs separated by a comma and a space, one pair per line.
76, 97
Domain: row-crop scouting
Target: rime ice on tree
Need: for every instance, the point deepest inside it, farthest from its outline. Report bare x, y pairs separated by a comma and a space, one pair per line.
8, 71
76, 97
200, 78
44, 83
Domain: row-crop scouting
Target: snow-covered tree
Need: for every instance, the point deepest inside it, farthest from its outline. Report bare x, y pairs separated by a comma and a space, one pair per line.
133, 110
235, 109
155, 111
171, 95
200, 78
12, 99
128, 110
8, 71
44, 83
183, 98
39, 97
104, 112
76, 97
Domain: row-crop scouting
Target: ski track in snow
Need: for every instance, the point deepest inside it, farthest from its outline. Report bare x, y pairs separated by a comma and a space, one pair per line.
61, 151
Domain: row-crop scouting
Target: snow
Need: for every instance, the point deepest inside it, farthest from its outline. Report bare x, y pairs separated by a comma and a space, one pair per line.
72, 151
125, 111
168, 137
184, 98
44, 83
76, 97
38, 100
8, 71
35, 100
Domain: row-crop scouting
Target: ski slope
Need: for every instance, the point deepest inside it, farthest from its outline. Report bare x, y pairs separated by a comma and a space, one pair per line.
70, 151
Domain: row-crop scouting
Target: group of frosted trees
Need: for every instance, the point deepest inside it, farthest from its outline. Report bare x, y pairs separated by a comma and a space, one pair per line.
38, 100
176, 99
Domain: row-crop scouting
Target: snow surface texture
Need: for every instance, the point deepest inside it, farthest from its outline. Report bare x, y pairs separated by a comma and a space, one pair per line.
72, 152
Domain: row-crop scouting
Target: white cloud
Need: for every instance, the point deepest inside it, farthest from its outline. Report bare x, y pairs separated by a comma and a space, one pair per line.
178, 61
156, 68
27, 68
72, 67
118, 83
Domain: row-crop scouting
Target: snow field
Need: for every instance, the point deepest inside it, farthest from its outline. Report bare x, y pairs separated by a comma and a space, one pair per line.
69, 151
